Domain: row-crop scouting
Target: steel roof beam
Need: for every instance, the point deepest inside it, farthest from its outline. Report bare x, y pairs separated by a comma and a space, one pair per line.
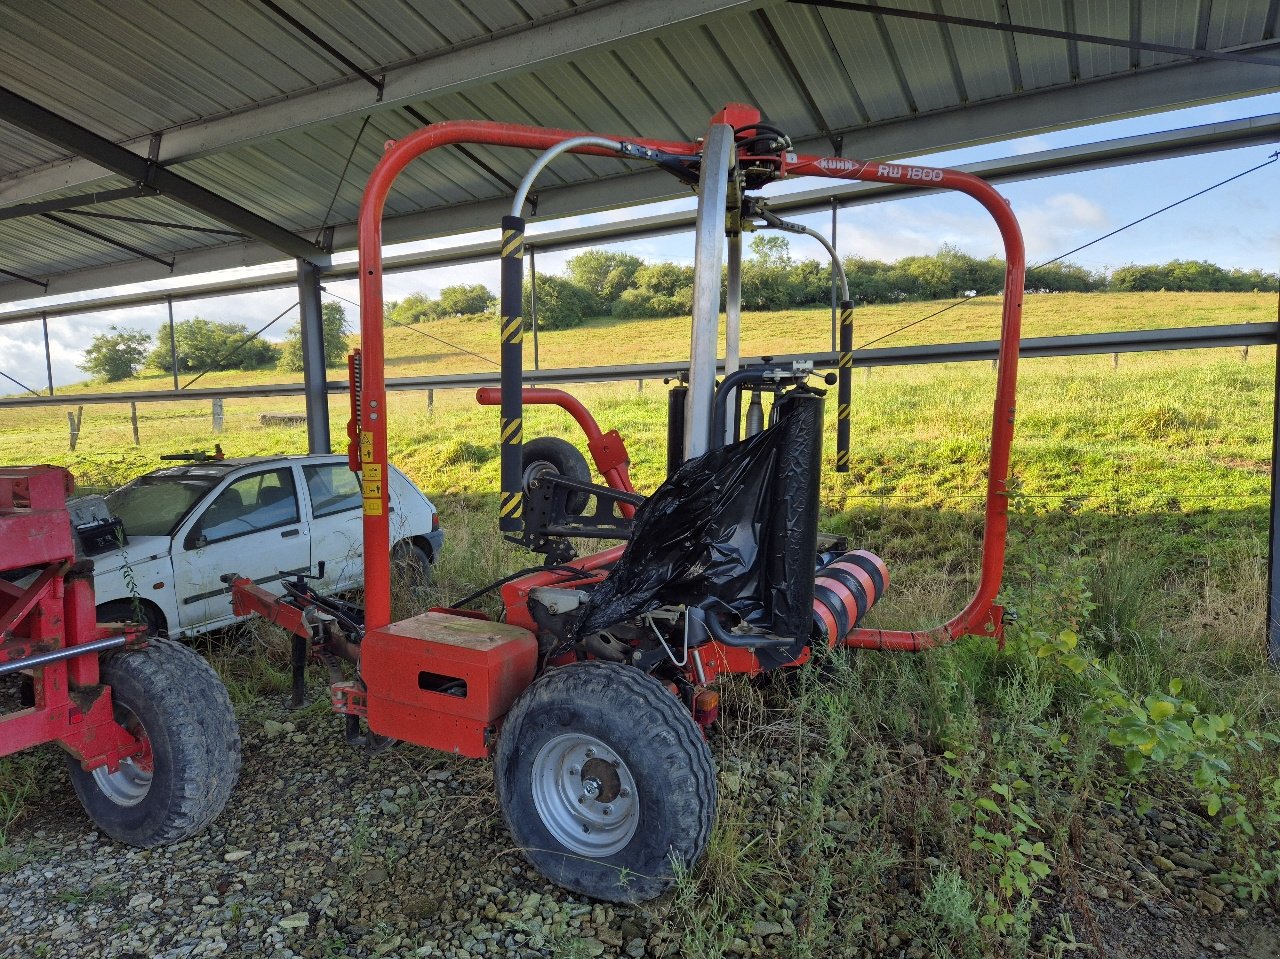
508, 53
52, 128
71, 202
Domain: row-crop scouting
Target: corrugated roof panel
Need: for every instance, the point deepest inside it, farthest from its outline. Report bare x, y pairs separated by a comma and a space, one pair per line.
868, 63
762, 73
20, 151
1232, 24
983, 54
922, 59
1105, 18
819, 65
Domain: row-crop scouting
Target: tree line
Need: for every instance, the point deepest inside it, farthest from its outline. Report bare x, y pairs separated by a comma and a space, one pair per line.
607, 283
208, 345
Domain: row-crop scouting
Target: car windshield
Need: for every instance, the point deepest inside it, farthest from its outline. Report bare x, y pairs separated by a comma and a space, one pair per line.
154, 505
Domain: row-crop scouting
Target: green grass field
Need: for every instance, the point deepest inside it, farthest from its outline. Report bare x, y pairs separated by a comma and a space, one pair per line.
1140, 527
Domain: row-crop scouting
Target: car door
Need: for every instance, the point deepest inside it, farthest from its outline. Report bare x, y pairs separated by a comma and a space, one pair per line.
337, 528
252, 526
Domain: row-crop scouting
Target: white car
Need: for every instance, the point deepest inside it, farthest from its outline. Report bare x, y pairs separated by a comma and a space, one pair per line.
261, 517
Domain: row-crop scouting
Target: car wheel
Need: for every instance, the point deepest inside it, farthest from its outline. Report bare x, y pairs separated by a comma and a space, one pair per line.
172, 700
410, 567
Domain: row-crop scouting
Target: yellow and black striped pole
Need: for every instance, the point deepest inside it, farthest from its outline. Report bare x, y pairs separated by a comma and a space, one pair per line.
510, 309
844, 386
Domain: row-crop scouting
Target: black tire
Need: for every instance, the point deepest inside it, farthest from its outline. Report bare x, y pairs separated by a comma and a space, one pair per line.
552, 454
542, 752
122, 611
410, 567
170, 694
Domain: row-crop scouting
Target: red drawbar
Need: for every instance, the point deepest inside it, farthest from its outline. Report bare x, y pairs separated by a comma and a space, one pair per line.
445, 681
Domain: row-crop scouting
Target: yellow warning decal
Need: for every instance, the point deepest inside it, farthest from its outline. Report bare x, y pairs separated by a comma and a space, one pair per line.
366, 447
372, 489
373, 507
372, 471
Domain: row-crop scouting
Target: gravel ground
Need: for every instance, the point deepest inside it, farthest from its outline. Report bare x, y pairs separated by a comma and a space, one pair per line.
327, 851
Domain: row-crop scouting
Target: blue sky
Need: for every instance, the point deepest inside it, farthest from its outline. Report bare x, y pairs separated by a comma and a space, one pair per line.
1237, 225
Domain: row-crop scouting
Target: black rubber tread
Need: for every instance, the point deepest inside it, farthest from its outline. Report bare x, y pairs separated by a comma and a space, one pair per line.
416, 577
565, 458
195, 743
663, 747
122, 611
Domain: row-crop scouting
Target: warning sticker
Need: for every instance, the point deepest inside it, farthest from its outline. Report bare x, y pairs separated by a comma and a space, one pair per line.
373, 507
372, 471
371, 488
366, 447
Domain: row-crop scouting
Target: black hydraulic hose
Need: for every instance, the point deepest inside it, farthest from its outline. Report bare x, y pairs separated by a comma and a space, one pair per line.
744, 640
512, 377
844, 387
729, 385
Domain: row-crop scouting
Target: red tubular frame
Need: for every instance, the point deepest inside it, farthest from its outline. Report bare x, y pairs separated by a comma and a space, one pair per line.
607, 449
981, 616
373, 399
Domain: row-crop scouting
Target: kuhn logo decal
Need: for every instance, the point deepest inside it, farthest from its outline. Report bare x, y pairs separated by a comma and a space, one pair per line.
836, 164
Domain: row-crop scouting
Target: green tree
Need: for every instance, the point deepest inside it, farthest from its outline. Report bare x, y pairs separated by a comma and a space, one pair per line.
561, 303
333, 319
604, 274
414, 308
210, 345
767, 282
116, 354
466, 299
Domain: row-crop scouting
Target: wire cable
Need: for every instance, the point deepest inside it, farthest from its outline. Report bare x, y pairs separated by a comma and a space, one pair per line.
951, 306
239, 346
414, 329
342, 179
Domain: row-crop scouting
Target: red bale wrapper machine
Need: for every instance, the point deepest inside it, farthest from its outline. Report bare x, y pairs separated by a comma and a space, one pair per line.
593, 691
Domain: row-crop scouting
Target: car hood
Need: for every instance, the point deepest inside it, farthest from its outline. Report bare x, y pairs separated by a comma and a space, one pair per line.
139, 549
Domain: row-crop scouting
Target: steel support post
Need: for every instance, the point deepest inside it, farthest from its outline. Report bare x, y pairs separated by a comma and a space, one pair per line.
1273, 559
533, 304
313, 372
173, 345
733, 317
835, 291
708, 254
48, 357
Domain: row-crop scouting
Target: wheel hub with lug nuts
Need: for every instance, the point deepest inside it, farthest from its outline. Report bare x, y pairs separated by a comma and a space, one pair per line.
585, 795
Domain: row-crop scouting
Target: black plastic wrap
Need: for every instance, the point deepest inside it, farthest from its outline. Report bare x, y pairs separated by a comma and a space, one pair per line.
708, 531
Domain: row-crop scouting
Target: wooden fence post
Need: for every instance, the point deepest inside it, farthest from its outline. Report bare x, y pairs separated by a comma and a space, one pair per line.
431, 400
73, 421
133, 418
217, 415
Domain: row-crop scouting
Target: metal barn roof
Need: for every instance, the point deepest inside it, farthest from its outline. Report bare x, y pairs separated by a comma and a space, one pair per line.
278, 109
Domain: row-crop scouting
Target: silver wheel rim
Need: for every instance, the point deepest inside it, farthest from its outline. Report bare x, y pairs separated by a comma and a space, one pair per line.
131, 783
585, 795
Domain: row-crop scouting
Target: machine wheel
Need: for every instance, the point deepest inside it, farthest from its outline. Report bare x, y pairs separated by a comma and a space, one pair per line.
605, 780
168, 695
122, 611
411, 566
550, 454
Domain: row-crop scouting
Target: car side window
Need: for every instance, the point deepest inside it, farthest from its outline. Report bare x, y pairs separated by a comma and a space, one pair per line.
333, 488
249, 505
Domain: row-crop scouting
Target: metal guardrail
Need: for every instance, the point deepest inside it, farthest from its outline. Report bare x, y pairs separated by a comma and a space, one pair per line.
1080, 344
